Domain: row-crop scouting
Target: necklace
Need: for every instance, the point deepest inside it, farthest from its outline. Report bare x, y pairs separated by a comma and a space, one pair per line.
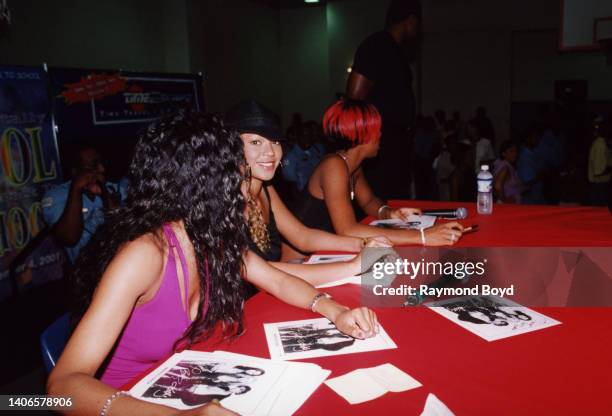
351, 179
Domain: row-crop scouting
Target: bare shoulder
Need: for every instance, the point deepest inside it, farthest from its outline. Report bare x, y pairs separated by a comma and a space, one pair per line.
150, 245
140, 260
333, 165
275, 200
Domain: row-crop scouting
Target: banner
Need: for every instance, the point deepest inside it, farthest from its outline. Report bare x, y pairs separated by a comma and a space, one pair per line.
30, 166
109, 107
113, 105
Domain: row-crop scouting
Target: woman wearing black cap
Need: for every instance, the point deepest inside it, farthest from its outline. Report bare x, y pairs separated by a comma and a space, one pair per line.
267, 215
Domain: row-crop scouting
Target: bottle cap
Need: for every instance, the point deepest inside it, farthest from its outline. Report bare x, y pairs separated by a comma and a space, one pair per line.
484, 167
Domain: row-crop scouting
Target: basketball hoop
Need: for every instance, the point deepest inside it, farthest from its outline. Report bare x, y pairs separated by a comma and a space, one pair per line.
5, 18
602, 35
606, 45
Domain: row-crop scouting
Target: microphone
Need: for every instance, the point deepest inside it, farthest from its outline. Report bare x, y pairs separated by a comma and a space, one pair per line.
451, 214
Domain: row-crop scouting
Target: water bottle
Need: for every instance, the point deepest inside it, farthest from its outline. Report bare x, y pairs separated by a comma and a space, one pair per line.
484, 203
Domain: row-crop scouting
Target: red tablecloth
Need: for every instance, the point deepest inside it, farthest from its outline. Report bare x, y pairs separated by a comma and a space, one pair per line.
530, 225
562, 370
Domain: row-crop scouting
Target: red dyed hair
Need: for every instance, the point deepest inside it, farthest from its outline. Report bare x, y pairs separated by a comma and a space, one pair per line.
354, 121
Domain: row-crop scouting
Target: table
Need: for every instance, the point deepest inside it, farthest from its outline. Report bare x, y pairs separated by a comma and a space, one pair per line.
562, 370
530, 225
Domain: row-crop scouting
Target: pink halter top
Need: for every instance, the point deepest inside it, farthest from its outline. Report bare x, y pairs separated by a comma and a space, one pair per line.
153, 327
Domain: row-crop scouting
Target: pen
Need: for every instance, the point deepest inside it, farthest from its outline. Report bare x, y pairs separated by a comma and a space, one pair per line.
470, 228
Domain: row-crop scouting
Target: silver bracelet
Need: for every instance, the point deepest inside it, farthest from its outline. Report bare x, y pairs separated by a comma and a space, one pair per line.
423, 239
380, 210
109, 401
317, 298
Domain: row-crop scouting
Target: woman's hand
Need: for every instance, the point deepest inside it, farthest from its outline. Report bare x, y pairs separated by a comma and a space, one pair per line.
210, 409
359, 323
443, 234
404, 213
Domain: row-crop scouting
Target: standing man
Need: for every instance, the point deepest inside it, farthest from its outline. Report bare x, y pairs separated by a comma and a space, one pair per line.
76, 208
381, 75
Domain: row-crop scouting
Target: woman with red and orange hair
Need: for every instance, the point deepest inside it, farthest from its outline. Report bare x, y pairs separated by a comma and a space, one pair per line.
338, 183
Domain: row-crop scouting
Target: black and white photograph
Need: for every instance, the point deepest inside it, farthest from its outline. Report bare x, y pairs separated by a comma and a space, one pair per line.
297, 383
196, 384
414, 222
317, 338
491, 317
328, 258
192, 379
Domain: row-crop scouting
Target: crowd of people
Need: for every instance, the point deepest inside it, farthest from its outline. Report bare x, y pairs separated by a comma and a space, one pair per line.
541, 165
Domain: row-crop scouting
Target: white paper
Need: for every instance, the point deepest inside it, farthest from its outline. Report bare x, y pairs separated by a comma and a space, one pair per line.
435, 407
392, 378
329, 258
491, 317
247, 385
414, 222
299, 382
370, 383
356, 387
296, 340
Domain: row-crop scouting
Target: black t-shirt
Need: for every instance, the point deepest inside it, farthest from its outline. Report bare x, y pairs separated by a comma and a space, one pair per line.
381, 60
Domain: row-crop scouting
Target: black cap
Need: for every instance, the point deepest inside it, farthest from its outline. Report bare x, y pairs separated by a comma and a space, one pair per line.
251, 116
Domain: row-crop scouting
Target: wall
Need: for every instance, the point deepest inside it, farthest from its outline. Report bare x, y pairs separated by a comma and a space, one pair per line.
238, 52
235, 43
475, 52
467, 56
537, 65
142, 35
175, 39
348, 23
456, 76
304, 63
471, 58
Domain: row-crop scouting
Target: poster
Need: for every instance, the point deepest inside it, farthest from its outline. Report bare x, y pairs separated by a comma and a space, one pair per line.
110, 107
30, 166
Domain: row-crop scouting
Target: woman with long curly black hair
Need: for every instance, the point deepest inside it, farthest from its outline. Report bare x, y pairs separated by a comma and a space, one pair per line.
167, 269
